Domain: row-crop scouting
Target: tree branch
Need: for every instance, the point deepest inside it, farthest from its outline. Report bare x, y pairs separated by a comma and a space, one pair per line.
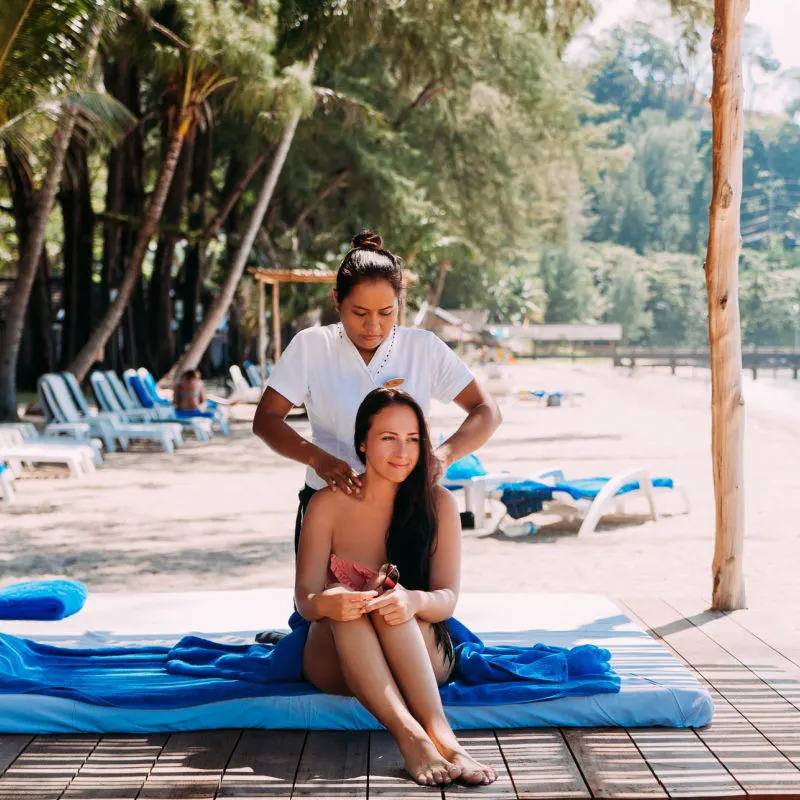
338, 180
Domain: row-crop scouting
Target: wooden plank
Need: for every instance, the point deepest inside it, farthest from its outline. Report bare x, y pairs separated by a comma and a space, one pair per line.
683, 764
771, 666
11, 745
483, 746
117, 768
264, 764
190, 766
752, 759
333, 764
387, 776
611, 764
541, 764
46, 767
777, 627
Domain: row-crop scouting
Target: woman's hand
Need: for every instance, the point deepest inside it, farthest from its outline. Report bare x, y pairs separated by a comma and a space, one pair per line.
395, 606
342, 605
336, 473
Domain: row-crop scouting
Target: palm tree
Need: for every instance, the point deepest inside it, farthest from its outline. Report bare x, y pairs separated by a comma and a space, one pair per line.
217, 46
44, 48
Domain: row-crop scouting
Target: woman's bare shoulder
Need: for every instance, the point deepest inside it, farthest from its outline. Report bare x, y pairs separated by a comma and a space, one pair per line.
445, 500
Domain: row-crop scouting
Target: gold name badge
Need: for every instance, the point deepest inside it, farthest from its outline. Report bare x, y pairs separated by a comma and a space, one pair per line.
393, 383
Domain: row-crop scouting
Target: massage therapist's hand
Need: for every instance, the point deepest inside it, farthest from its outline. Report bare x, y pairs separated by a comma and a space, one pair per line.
395, 606
342, 605
336, 473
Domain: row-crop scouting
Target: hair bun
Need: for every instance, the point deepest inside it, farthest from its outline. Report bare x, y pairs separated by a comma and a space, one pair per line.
368, 240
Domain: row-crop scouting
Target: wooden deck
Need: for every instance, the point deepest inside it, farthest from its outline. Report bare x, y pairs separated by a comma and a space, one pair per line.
752, 749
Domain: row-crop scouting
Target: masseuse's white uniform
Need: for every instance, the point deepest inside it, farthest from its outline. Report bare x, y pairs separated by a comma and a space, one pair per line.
322, 369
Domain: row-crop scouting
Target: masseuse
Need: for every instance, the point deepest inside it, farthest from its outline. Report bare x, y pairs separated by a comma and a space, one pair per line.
331, 369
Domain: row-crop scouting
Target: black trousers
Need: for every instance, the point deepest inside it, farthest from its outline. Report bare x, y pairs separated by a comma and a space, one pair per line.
305, 495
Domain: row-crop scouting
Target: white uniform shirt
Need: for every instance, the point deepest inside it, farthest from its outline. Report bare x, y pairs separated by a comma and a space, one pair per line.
322, 369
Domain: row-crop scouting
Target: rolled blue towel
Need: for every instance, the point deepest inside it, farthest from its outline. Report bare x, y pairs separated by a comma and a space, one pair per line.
42, 600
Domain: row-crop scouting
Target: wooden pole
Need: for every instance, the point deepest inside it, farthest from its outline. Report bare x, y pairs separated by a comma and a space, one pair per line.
722, 285
276, 320
262, 335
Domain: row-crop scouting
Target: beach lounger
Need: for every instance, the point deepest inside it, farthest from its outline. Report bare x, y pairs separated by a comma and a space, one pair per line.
6, 483
54, 433
16, 452
253, 374
108, 400
143, 385
60, 403
242, 390
549, 492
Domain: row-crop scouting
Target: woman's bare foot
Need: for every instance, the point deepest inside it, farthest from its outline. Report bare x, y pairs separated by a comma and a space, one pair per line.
425, 764
472, 772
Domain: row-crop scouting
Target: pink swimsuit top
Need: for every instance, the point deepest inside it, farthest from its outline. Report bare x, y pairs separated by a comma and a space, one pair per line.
349, 573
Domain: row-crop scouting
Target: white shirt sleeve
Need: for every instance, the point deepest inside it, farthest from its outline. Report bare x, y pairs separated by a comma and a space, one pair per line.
289, 376
450, 374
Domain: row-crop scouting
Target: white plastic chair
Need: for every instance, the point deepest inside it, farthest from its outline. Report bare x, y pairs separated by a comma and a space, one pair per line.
242, 390
109, 401
6, 483
587, 509
15, 451
108, 426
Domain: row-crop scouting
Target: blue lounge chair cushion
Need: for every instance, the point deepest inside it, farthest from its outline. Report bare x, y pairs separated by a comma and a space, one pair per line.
465, 468
42, 600
135, 382
152, 389
527, 497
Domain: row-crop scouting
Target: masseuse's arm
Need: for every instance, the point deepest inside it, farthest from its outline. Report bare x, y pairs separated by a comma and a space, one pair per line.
483, 419
270, 425
439, 603
313, 601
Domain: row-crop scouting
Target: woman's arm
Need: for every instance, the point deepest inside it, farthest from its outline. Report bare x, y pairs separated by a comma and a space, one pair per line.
313, 601
483, 419
270, 425
439, 603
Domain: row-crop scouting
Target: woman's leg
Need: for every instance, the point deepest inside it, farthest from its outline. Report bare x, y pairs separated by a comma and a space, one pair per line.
416, 662
342, 656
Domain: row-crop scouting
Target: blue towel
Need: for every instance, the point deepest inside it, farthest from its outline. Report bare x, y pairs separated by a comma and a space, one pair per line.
43, 600
526, 497
152, 389
197, 671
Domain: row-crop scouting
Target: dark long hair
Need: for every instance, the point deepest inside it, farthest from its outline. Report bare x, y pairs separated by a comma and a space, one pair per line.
368, 260
411, 540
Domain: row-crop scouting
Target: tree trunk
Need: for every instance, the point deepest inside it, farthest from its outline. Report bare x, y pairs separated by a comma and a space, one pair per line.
108, 324
205, 333
79, 220
159, 306
722, 284
36, 344
28, 266
190, 274
125, 196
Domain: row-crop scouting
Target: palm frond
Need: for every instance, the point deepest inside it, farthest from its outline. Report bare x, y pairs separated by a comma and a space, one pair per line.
99, 115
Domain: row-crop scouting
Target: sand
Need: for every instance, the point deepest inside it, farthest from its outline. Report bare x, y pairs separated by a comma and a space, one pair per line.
220, 515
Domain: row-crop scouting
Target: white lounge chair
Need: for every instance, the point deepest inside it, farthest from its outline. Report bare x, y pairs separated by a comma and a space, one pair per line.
69, 436
55, 393
16, 452
6, 483
242, 390
586, 499
108, 399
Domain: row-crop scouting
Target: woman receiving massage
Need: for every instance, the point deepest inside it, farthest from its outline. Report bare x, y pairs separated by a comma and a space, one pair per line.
378, 577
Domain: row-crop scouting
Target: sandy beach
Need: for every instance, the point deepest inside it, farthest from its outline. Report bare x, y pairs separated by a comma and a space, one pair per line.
220, 515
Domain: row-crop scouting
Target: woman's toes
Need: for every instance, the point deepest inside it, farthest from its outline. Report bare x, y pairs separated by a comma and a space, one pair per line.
455, 771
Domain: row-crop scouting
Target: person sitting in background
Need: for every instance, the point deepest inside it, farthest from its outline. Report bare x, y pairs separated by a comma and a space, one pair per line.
190, 392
